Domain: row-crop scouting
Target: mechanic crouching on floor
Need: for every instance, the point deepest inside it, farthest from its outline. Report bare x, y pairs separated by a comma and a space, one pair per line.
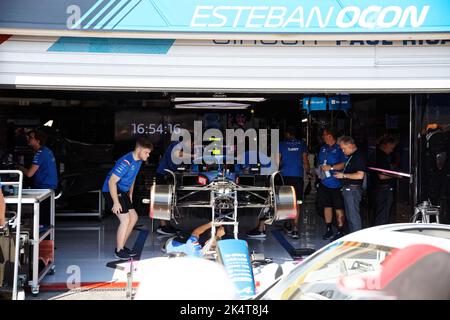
352, 181
118, 192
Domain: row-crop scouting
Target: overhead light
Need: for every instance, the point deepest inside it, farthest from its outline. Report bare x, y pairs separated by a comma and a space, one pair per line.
49, 123
305, 120
212, 105
187, 99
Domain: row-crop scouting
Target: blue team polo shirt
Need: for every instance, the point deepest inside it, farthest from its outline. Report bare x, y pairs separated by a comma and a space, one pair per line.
333, 154
191, 248
126, 169
46, 176
292, 157
166, 160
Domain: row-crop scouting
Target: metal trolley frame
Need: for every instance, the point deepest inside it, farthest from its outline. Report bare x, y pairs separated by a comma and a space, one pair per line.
33, 197
17, 224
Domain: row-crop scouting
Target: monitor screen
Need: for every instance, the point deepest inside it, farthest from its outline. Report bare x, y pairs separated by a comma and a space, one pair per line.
130, 124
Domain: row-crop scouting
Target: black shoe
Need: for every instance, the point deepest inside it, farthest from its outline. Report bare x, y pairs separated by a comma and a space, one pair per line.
121, 255
166, 230
255, 233
130, 252
338, 235
295, 235
288, 227
328, 235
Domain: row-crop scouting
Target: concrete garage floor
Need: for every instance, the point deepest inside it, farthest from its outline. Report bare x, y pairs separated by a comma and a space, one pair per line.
84, 248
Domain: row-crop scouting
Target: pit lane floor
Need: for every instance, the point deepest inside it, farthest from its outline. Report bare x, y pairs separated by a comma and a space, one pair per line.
84, 248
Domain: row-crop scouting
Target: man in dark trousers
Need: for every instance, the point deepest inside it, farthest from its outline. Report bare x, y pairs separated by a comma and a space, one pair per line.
352, 176
384, 184
329, 196
293, 162
118, 192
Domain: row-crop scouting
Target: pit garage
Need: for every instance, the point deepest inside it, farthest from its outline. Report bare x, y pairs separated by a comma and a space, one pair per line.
94, 95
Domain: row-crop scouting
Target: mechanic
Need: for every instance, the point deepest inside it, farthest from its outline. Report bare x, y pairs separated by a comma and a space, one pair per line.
197, 243
384, 184
293, 160
43, 168
329, 196
118, 192
436, 169
352, 177
263, 162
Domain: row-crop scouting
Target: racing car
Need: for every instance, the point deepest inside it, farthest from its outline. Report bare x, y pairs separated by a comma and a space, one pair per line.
225, 191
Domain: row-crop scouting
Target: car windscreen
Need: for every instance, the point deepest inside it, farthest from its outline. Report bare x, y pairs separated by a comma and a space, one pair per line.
319, 277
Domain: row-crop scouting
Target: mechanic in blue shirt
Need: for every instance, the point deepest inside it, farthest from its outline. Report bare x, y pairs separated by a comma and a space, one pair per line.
2, 208
43, 168
166, 160
166, 163
293, 158
352, 177
331, 159
258, 159
118, 192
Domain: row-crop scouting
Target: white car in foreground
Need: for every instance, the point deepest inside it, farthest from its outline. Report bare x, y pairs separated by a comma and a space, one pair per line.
352, 266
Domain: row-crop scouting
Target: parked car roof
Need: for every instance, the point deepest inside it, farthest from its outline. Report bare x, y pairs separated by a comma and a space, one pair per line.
359, 255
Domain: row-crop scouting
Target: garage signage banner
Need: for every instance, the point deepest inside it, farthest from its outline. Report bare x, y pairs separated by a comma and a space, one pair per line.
230, 16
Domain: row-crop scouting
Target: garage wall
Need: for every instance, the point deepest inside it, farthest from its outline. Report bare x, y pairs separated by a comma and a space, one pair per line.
206, 65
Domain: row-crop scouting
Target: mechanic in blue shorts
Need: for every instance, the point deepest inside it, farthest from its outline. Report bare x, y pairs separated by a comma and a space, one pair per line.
118, 192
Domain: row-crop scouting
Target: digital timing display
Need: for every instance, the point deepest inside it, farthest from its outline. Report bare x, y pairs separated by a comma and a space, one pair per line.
129, 124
